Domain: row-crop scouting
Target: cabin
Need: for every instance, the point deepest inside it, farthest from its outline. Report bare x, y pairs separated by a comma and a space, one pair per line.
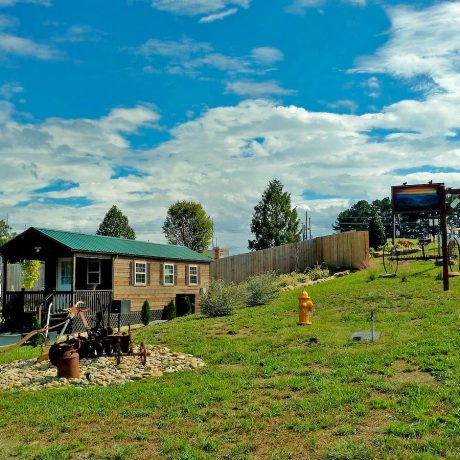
99, 270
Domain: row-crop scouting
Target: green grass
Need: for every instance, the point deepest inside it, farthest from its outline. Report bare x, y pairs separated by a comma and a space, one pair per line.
266, 392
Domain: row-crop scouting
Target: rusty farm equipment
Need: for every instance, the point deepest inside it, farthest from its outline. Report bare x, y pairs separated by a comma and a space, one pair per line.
94, 343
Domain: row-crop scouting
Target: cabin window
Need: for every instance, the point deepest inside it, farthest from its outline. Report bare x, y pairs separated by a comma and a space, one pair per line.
93, 272
169, 274
193, 275
140, 274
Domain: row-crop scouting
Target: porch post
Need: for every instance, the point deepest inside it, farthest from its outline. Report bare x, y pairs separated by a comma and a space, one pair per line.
4, 278
74, 268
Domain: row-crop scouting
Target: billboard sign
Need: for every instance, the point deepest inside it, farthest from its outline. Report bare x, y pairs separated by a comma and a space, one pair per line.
417, 198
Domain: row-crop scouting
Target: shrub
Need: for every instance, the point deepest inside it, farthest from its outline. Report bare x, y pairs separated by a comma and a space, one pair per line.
36, 339
404, 272
317, 272
169, 311
221, 299
292, 279
261, 289
146, 314
371, 274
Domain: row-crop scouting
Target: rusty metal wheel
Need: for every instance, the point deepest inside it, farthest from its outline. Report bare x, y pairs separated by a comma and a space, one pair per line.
390, 258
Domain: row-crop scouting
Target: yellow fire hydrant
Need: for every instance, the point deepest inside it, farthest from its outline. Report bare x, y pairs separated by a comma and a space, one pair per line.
305, 308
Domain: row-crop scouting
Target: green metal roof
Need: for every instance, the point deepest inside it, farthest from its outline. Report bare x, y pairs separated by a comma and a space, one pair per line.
105, 244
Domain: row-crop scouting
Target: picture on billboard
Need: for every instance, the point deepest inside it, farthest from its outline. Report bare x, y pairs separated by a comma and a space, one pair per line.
416, 198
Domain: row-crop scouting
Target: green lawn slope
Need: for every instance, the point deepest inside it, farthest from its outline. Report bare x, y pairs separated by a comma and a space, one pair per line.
267, 392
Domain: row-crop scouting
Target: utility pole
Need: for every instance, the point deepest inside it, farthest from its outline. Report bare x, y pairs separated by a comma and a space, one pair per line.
305, 235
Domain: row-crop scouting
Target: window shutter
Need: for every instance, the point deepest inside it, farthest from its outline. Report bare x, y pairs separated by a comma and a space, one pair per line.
175, 275
187, 275
162, 266
198, 275
147, 275
131, 273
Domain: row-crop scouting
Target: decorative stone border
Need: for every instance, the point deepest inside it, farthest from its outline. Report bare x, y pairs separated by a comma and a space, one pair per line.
29, 375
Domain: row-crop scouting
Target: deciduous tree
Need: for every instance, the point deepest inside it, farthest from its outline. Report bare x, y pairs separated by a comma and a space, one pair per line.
187, 224
5, 232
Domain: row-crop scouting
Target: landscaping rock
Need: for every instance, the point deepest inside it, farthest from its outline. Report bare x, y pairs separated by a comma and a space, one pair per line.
28, 375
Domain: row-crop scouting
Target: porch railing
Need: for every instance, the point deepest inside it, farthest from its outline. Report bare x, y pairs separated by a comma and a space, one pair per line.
32, 301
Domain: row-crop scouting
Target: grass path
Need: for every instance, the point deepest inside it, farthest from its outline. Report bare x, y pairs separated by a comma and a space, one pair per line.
266, 393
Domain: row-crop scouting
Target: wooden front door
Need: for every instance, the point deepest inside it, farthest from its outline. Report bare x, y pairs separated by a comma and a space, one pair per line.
63, 282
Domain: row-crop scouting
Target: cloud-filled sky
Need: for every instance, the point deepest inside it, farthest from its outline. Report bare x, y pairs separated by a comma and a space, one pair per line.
141, 103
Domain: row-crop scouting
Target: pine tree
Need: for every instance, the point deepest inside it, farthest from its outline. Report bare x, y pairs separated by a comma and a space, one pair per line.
146, 313
116, 224
274, 222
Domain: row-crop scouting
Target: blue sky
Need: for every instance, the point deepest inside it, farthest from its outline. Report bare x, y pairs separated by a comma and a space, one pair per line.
143, 102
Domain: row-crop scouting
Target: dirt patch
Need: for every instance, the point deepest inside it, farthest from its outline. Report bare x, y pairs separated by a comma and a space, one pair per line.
374, 423
406, 372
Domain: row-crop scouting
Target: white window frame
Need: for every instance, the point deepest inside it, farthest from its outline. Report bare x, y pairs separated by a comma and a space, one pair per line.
136, 272
190, 283
98, 271
173, 274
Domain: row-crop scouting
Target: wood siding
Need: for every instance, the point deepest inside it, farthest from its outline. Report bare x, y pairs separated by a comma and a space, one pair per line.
347, 250
155, 292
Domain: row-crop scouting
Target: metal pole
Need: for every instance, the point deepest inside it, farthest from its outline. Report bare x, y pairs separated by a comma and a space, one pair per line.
445, 256
372, 324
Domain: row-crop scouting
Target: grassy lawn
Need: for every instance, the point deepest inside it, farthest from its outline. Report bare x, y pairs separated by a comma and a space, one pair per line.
266, 392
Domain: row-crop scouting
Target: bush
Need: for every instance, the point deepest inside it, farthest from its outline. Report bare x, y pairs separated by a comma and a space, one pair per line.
38, 338
146, 314
221, 299
169, 311
317, 273
261, 289
292, 279
371, 274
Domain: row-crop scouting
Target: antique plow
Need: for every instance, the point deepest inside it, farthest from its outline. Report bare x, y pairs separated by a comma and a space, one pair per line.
99, 342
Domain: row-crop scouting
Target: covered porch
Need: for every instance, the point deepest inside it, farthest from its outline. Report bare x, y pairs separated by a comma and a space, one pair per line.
69, 277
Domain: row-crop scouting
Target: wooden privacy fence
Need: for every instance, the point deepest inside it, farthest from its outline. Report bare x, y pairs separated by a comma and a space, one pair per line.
347, 250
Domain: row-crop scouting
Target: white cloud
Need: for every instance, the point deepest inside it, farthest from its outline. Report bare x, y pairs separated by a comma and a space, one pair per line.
299, 6
192, 58
197, 7
14, 2
218, 16
266, 55
372, 86
7, 22
80, 33
225, 157
182, 49
346, 104
356, 2
257, 89
23, 47
423, 42
10, 89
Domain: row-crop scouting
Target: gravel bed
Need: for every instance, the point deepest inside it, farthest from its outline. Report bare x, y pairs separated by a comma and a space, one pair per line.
30, 375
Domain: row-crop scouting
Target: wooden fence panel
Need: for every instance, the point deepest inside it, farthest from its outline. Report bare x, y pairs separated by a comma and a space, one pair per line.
347, 250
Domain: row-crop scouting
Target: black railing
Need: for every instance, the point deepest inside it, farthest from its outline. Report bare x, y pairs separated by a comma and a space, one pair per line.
16, 303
